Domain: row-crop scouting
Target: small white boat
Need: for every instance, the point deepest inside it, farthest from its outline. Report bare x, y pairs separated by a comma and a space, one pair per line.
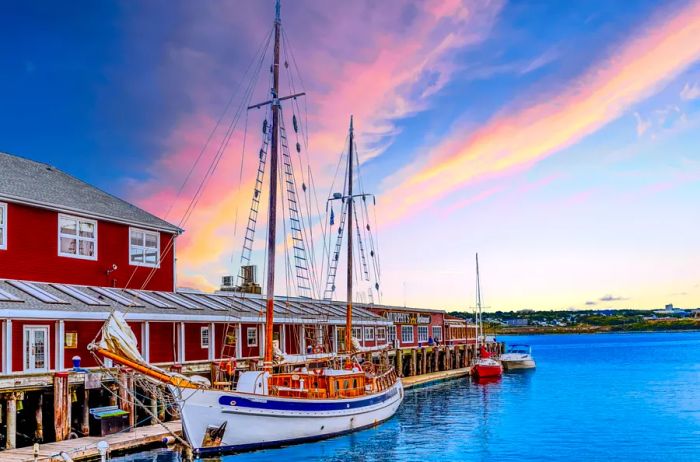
518, 357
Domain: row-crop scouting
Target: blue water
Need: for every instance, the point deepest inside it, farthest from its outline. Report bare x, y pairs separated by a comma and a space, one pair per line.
593, 397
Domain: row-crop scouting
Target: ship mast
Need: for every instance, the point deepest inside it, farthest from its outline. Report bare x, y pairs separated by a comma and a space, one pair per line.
272, 209
479, 324
348, 313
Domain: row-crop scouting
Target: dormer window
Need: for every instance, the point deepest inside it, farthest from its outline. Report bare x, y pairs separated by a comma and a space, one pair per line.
3, 226
77, 237
144, 248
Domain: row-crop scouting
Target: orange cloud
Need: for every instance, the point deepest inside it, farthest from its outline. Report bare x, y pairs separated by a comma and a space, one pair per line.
519, 138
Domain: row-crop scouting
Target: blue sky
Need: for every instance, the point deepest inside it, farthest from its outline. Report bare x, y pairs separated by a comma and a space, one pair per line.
123, 94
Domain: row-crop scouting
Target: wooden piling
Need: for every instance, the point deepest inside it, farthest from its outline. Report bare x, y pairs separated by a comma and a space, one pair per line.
436, 359
11, 420
399, 362
39, 417
424, 361
85, 426
61, 405
414, 361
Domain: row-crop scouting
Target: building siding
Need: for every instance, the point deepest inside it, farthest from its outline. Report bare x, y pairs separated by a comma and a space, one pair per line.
32, 254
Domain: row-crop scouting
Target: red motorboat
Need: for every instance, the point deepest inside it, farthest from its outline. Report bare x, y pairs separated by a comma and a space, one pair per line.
486, 366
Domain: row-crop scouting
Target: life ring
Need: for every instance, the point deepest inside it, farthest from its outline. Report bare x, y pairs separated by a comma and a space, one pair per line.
228, 365
318, 349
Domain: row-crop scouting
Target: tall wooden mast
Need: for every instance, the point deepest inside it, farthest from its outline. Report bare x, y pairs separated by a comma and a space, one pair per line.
479, 324
272, 209
348, 312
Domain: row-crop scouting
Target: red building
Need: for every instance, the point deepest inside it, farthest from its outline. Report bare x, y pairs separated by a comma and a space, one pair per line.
413, 326
56, 228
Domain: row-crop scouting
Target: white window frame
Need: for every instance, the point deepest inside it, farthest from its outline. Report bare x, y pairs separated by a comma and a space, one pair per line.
391, 337
3, 225
143, 247
47, 347
405, 338
423, 334
204, 337
369, 333
381, 334
438, 330
357, 330
254, 330
77, 237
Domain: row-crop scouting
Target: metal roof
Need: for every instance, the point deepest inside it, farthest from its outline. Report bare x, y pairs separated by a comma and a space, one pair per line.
41, 185
37, 300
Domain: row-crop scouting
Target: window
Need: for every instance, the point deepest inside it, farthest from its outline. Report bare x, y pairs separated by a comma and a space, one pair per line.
71, 340
437, 333
369, 333
381, 334
204, 337
392, 334
77, 237
144, 248
406, 334
3, 226
422, 333
357, 333
252, 336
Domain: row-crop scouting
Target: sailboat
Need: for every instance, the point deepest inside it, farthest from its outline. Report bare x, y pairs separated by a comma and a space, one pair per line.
314, 399
484, 366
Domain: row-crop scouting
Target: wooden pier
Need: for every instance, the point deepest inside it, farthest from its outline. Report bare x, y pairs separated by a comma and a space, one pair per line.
86, 448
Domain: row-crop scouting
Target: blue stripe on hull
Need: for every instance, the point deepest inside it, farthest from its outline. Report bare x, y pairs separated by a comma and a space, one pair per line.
303, 405
277, 444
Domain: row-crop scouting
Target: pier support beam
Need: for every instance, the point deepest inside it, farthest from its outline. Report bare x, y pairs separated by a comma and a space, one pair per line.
85, 425
414, 361
424, 361
11, 419
61, 405
126, 395
399, 363
436, 359
39, 417
154, 407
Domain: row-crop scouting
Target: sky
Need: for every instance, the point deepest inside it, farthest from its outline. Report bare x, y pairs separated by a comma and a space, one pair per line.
559, 140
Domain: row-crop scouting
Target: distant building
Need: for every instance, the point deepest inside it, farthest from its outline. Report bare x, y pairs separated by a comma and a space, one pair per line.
516, 322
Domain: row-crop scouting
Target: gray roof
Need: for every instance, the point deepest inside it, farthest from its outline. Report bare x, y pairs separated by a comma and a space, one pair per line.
97, 302
39, 184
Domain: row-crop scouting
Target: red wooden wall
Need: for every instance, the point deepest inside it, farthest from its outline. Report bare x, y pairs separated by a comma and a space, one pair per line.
193, 342
32, 254
163, 342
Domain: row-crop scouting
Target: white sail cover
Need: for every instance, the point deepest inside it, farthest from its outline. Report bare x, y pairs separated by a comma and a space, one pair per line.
118, 338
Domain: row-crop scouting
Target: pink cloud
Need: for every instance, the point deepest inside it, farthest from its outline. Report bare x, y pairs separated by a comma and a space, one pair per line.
519, 137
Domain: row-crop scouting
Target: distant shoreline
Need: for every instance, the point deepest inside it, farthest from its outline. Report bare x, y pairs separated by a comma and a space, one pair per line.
656, 327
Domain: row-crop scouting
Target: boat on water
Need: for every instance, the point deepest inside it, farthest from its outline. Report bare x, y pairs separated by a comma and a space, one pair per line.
484, 366
518, 357
286, 400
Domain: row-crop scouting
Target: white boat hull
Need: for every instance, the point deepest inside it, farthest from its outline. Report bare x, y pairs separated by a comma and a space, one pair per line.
512, 361
258, 421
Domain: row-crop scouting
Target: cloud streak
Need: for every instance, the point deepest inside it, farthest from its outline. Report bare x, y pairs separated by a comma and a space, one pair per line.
521, 136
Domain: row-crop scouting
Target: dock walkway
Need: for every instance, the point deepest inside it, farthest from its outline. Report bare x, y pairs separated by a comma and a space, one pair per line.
417, 380
86, 448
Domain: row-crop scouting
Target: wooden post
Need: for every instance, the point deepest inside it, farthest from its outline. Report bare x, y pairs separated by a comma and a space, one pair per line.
126, 395
154, 407
399, 362
112, 394
85, 427
61, 405
39, 417
11, 420
424, 361
414, 361
436, 352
